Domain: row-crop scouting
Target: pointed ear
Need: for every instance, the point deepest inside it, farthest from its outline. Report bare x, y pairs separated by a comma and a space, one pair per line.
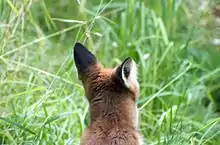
83, 58
127, 72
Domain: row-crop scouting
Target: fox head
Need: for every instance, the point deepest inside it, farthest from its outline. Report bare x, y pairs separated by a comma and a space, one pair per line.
110, 91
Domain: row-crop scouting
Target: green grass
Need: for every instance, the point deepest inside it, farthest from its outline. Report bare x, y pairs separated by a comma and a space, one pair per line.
42, 100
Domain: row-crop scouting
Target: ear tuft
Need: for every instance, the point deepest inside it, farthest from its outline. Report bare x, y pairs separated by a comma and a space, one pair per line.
127, 72
83, 58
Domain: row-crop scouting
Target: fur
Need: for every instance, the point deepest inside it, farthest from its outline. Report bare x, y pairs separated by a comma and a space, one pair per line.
112, 102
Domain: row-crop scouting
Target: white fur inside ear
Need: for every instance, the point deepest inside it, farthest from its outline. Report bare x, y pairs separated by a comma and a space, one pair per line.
132, 77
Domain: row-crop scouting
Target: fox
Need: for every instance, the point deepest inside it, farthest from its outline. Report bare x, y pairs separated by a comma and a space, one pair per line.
112, 94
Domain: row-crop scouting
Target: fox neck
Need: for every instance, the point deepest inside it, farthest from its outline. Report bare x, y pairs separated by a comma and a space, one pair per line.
115, 111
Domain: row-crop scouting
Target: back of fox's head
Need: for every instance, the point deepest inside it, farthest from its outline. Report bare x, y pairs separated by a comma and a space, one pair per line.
102, 83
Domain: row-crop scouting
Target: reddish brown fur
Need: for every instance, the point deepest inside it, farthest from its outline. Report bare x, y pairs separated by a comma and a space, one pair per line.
112, 109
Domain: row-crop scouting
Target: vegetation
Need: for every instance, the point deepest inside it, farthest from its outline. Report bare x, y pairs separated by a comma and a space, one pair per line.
175, 44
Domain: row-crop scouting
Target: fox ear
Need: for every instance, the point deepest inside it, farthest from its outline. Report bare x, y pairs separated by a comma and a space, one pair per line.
83, 58
127, 72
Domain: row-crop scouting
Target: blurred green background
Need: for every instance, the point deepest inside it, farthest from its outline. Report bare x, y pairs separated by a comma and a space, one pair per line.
176, 44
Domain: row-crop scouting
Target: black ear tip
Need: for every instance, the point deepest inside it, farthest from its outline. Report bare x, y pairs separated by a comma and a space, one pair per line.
128, 59
83, 57
79, 49
78, 45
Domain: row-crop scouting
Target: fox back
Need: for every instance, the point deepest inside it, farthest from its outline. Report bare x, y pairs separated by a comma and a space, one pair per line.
112, 95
